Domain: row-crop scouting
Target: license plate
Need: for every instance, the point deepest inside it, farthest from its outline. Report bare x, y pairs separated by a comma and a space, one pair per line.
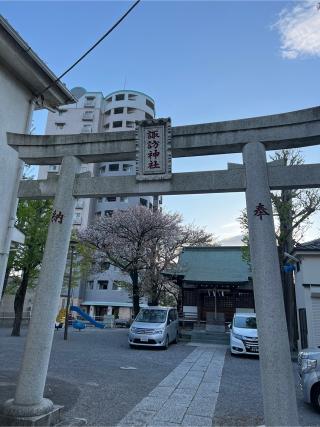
143, 339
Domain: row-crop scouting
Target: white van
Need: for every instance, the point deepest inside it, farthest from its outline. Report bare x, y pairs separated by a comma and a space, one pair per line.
244, 334
154, 327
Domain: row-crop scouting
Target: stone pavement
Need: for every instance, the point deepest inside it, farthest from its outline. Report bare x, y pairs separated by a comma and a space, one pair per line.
187, 396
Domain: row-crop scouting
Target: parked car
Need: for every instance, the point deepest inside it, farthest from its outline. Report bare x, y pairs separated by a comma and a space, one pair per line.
244, 334
154, 327
309, 372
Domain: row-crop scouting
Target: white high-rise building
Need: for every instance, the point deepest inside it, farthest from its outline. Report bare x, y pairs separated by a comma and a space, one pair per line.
101, 294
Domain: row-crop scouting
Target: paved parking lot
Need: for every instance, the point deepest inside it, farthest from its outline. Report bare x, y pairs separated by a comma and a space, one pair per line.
85, 372
96, 376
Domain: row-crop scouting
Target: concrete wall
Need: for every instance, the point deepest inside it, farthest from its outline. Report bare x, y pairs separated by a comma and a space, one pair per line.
15, 110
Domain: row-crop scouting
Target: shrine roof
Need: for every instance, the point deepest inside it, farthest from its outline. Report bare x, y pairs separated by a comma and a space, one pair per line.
313, 245
214, 264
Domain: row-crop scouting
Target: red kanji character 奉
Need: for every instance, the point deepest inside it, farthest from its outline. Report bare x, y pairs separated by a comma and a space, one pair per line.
57, 217
152, 134
153, 165
260, 210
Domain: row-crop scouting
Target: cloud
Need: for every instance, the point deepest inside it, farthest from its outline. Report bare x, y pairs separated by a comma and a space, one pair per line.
299, 29
232, 241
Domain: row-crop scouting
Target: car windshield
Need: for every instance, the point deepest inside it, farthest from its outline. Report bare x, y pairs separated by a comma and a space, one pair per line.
152, 316
245, 322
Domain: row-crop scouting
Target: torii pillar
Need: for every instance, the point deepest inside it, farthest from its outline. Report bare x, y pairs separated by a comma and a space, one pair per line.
29, 400
278, 387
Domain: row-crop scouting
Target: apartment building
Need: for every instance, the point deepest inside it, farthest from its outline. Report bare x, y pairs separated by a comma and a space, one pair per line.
101, 293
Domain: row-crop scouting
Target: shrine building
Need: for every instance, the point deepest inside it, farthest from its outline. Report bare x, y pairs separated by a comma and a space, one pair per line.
214, 283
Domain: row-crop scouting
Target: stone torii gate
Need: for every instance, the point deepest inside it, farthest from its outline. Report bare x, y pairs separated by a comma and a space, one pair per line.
252, 137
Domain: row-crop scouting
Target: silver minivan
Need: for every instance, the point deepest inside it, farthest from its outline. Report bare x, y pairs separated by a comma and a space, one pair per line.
154, 327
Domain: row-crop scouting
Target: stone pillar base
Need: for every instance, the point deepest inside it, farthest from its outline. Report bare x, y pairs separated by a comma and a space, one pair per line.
50, 418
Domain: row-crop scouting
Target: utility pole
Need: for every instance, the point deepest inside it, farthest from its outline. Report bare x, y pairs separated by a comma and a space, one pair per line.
66, 320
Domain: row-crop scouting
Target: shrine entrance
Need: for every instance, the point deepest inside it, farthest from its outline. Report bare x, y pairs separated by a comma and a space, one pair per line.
155, 141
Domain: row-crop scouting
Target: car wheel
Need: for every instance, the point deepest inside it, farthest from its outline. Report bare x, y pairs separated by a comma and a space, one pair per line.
166, 344
315, 397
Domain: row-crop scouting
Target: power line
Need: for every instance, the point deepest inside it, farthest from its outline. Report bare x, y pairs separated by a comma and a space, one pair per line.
91, 48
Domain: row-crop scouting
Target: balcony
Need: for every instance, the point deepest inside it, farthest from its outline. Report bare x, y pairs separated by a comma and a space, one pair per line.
86, 129
88, 115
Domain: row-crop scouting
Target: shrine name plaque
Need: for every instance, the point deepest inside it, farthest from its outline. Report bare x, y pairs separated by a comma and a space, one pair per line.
153, 149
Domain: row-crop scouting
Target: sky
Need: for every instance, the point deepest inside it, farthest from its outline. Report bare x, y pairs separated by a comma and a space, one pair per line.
201, 61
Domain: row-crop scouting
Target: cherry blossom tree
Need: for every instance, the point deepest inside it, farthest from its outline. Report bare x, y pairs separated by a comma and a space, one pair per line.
142, 244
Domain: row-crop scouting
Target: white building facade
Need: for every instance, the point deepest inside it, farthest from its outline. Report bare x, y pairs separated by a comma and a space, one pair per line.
22, 75
307, 286
102, 293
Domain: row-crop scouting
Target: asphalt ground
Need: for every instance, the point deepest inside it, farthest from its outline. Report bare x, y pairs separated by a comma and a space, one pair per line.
240, 399
85, 374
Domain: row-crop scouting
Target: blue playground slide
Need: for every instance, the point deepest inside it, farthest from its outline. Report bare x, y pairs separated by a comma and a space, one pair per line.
87, 317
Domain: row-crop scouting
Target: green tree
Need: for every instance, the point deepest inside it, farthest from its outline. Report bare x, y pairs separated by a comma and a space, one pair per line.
292, 210
33, 218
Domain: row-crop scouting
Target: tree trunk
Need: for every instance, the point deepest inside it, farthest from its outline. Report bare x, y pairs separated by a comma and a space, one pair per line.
287, 278
5, 282
18, 304
135, 292
154, 300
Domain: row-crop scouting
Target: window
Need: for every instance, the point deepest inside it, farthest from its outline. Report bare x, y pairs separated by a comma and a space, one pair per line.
108, 213
132, 97
89, 101
107, 125
131, 110
124, 199
60, 125
118, 110
129, 124
77, 219
103, 284
109, 99
117, 124
61, 111
80, 204
126, 167
90, 284
150, 104
108, 112
111, 199
98, 214
114, 167
102, 170
148, 116
143, 202
120, 97
86, 129
53, 168
87, 115
105, 265
99, 199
